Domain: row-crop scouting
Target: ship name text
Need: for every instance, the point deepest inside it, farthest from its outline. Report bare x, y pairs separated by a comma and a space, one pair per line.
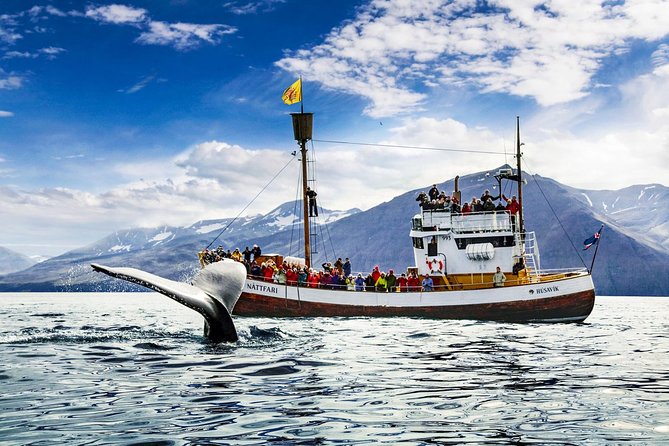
262, 288
547, 289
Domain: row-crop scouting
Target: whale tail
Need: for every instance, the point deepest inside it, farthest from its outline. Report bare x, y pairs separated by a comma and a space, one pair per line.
213, 294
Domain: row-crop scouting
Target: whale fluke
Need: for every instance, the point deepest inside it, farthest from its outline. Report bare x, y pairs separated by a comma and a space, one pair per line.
213, 294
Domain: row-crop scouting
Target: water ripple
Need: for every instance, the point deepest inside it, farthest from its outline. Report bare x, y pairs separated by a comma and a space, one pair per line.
145, 375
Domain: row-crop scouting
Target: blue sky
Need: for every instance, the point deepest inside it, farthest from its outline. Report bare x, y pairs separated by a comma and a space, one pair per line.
143, 113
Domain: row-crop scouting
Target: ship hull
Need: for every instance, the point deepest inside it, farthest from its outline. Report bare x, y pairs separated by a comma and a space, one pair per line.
565, 300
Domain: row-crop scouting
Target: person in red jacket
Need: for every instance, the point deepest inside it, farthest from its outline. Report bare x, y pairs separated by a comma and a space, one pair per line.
413, 283
291, 276
313, 280
376, 273
512, 206
403, 283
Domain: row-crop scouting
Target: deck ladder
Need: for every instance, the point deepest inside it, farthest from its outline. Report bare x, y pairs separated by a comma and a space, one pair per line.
529, 249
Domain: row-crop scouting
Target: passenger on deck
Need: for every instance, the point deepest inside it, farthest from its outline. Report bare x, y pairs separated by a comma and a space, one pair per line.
291, 276
268, 273
427, 283
313, 279
325, 281
236, 255
327, 267
335, 281
255, 271
347, 267
433, 193
391, 279
488, 205
421, 198
519, 266
466, 209
477, 206
247, 255
513, 207
403, 283
455, 206
256, 251
413, 282
302, 277
498, 278
279, 276
376, 273
369, 283
359, 283
339, 265
350, 283
381, 283
487, 195
444, 201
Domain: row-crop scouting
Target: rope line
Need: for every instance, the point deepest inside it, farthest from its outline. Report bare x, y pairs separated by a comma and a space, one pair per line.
557, 218
396, 146
251, 202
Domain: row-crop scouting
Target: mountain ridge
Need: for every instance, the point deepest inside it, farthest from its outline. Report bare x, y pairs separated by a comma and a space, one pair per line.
379, 236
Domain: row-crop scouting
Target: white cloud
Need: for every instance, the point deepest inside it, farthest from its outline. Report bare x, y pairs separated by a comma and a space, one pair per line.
19, 55
8, 35
49, 52
146, 80
546, 51
52, 51
183, 36
10, 82
253, 7
5, 114
117, 14
55, 11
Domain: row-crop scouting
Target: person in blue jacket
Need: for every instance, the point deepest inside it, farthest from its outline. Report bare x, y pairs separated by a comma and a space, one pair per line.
427, 283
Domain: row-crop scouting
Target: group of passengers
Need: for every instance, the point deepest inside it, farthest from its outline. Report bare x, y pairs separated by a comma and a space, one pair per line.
336, 276
208, 256
435, 199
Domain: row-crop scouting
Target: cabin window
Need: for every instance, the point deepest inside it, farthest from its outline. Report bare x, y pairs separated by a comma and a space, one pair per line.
496, 241
432, 247
417, 224
417, 242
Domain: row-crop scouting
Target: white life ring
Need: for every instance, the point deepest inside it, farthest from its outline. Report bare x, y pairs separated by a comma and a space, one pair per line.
435, 264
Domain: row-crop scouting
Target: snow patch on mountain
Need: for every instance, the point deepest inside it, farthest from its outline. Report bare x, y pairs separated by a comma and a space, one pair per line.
209, 228
161, 237
283, 222
119, 248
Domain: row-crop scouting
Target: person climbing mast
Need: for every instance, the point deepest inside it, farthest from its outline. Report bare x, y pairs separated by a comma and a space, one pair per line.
313, 209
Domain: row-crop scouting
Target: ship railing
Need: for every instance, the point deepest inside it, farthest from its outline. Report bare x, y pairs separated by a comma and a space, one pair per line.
546, 275
474, 222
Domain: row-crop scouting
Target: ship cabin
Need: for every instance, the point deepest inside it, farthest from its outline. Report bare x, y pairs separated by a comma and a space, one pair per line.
462, 251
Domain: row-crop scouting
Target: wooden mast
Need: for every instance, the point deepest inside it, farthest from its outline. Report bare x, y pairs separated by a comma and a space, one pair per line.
521, 223
302, 129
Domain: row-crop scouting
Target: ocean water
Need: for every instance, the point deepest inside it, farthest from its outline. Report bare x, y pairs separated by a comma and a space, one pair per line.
133, 368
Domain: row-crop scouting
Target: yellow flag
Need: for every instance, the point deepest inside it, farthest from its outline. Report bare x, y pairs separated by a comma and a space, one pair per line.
293, 94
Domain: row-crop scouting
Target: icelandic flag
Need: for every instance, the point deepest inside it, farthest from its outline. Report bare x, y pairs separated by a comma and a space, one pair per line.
592, 240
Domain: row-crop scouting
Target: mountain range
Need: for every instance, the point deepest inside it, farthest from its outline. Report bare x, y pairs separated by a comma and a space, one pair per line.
12, 261
634, 242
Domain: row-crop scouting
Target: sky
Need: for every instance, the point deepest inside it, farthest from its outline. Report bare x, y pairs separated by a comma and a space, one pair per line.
167, 112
